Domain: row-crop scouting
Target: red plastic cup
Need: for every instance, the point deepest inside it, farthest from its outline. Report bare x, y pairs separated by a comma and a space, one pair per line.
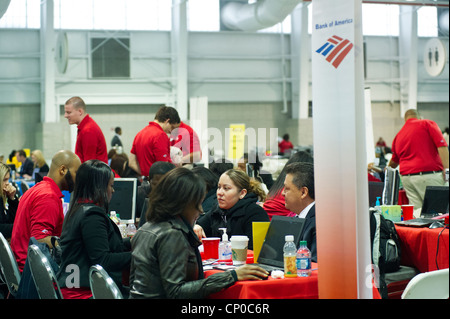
408, 212
211, 247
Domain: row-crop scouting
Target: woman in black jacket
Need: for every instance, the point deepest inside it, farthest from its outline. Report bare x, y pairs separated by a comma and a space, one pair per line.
166, 262
9, 201
236, 207
89, 236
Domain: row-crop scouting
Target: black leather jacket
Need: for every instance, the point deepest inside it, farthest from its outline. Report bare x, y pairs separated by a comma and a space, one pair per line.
166, 263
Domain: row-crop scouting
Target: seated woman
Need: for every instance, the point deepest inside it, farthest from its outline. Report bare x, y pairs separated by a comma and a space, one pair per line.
275, 204
9, 201
89, 236
236, 207
40, 166
166, 262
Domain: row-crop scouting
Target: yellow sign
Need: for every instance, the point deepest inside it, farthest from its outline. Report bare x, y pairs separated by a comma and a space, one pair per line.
237, 141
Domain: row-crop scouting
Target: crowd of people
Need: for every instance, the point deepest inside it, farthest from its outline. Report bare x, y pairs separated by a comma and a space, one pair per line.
178, 204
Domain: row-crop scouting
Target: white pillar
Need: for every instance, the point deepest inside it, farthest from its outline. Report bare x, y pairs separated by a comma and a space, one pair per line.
179, 56
340, 161
300, 47
408, 58
198, 120
49, 108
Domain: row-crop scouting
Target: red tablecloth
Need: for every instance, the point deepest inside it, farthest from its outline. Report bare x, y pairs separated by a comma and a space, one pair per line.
423, 248
285, 288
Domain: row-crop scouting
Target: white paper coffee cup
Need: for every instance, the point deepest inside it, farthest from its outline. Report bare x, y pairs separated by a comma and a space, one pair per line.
239, 246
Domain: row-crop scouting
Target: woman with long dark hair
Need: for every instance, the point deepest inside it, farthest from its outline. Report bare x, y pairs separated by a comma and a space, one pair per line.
88, 235
166, 262
9, 201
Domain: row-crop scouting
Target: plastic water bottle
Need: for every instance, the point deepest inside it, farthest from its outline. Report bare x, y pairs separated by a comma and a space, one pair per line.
131, 230
303, 260
290, 255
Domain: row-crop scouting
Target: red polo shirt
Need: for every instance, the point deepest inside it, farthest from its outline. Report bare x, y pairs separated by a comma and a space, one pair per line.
91, 143
415, 147
40, 214
185, 139
285, 145
151, 145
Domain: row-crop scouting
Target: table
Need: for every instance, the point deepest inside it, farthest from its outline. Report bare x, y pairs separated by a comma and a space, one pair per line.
284, 288
424, 248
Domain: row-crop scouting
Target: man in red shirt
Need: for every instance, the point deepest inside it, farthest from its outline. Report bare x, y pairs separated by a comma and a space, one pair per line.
188, 142
285, 144
40, 212
152, 144
421, 151
91, 143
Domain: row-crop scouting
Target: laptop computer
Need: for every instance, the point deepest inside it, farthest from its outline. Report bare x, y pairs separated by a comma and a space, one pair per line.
271, 254
435, 204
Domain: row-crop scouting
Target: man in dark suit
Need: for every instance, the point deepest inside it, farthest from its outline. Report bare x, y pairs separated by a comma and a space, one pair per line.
26, 170
116, 140
299, 199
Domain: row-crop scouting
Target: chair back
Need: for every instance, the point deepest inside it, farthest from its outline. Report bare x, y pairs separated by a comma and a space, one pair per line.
24, 187
8, 266
43, 275
102, 285
428, 285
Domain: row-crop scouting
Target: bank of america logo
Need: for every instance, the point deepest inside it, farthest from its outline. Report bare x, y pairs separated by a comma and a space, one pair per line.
335, 50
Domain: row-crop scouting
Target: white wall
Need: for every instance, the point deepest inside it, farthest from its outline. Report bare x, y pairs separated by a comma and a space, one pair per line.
239, 72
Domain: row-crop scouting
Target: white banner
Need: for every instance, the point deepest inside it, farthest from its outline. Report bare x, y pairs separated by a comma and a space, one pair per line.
340, 157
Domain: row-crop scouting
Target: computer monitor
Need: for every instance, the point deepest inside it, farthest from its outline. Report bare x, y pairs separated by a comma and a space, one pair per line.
123, 200
435, 201
375, 190
391, 187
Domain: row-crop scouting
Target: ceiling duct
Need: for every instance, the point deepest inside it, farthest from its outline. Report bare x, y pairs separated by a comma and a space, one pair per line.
3, 7
256, 16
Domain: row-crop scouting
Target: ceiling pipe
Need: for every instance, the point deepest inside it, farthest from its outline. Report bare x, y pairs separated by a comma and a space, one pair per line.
432, 3
256, 16
266, 13
3, 7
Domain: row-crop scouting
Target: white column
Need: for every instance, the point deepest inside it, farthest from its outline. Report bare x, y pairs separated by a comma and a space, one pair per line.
408, 58
49, 108
179, 54
300, 47
198, 120
340, 160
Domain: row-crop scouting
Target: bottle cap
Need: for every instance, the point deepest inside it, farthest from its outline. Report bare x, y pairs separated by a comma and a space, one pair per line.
303, 243
289, 238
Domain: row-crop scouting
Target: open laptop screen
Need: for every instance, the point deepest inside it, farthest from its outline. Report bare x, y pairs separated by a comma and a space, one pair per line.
272, 248
435, 201
123, 200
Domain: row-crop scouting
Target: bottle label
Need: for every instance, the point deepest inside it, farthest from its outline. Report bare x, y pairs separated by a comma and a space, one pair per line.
303, 263
290, 266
